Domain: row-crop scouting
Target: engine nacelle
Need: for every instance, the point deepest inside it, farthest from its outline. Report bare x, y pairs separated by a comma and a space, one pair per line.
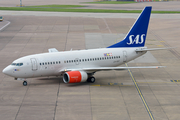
75, 77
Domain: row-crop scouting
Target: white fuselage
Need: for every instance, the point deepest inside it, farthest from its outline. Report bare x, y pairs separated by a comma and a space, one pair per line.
51, 64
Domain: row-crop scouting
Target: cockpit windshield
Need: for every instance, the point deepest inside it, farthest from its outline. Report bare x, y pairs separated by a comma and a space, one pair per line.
17, 64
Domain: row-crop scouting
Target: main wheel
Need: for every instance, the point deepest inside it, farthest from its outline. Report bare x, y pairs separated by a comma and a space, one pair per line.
25, 83
91, 79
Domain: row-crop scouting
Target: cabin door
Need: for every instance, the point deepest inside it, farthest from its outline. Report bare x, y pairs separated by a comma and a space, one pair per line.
124, 56
34, 64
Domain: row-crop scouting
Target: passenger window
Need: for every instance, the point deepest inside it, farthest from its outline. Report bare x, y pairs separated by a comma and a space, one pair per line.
67, 61
100, 58
40, 63
80, 60
56, 62
45, 63
83, 60
88, 59
119, 56
97, 58
53, 62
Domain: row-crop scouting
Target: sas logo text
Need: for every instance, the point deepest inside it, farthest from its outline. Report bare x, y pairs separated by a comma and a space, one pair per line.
137, 40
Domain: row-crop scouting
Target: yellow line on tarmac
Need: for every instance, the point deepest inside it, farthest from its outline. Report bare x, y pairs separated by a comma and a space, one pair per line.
110, 85
95, 85
140, 94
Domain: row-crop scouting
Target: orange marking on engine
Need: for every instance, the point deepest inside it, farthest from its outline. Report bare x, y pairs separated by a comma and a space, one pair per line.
75, 77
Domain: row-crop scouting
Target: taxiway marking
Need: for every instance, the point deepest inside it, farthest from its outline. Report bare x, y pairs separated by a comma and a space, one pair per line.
140, 94
5, 25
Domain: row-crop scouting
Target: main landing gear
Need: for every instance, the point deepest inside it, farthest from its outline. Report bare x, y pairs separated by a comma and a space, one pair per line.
91, 79
25, 83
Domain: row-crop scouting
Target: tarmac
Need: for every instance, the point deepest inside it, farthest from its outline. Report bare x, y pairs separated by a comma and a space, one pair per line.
136, 94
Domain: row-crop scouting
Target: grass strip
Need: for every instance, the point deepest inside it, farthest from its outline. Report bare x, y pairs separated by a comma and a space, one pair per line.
58, 6
80, 10
110, 2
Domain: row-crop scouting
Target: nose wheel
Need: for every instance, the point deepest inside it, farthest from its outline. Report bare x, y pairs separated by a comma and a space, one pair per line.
25, 83
91, 79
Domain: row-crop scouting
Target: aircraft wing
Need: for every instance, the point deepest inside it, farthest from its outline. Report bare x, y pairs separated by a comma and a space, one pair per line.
52, 50
109, 68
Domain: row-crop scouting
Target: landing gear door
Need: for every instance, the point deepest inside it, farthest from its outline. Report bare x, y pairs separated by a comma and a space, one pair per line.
124, 56
34, 64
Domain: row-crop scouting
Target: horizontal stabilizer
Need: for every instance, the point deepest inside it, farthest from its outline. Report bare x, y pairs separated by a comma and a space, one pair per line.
52, 50
152, 49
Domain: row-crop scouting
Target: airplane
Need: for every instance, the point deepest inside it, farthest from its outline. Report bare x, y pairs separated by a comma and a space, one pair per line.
80, 65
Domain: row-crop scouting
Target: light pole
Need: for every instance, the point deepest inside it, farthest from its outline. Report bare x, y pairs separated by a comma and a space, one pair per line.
20, 3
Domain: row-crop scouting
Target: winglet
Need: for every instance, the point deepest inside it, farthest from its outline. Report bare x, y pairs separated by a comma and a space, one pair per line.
137, 35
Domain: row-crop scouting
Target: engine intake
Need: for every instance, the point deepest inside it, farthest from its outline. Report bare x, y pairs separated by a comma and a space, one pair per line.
75, 77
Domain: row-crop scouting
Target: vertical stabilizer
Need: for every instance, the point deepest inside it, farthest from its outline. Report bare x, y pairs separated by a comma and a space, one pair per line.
136, 37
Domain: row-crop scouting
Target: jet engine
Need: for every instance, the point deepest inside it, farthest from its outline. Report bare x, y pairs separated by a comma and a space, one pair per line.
75, 77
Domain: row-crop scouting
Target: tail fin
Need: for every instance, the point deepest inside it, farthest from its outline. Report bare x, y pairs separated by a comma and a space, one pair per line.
137, 34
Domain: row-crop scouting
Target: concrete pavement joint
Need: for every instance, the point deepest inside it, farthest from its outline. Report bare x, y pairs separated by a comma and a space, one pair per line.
67, 34
107, 26
21, 103
56, 101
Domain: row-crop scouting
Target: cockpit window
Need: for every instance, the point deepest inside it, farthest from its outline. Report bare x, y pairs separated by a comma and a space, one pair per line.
14, 64
17, 64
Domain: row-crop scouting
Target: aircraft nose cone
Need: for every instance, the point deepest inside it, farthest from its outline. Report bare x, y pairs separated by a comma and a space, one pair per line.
7, 71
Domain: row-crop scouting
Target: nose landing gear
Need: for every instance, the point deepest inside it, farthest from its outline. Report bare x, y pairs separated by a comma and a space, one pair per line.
22, 79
